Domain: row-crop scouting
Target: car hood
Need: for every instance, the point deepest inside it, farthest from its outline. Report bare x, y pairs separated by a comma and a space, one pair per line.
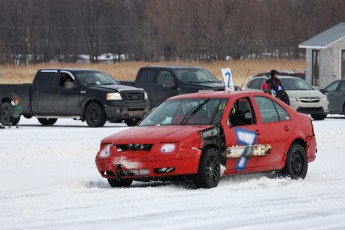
217, 86
304, 93
114, 87
154, 134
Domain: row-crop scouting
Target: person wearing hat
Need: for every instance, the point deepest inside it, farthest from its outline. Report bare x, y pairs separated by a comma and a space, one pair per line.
276, 87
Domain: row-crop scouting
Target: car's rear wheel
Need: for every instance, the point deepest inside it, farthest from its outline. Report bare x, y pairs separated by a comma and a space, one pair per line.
319, 117
209, 170
296, 164
95, 115
47, 121
5, 113
132, 121
115, 182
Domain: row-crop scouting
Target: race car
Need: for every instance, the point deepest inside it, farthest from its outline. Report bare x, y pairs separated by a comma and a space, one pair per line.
203, 136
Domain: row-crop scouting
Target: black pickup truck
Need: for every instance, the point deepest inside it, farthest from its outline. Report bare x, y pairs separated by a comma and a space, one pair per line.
85, 94
162, 82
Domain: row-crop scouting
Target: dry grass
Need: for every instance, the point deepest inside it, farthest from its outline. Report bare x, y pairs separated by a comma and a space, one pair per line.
128, 70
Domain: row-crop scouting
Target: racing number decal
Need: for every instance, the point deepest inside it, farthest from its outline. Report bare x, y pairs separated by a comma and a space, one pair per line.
246, 138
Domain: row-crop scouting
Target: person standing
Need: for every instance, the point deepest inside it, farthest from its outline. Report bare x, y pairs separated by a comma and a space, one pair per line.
15, 112
276, 87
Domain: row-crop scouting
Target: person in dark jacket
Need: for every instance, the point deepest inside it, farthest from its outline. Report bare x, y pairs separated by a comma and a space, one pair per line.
276, 87
15, 111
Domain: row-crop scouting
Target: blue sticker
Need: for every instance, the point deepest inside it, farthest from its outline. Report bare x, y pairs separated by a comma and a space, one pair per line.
246, 138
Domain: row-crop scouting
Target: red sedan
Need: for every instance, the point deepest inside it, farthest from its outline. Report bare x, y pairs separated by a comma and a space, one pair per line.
204, 136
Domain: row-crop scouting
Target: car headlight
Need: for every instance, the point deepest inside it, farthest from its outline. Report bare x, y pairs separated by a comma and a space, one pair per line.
105, 152
324, 98
114, 96
145, 95
293, 98
168, 148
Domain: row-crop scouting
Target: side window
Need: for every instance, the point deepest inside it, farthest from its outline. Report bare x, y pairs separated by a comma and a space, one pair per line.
66, 80
342, 86
332, 87
242, 113
164, 77
44, 79
270, 110
146, 76
256, 83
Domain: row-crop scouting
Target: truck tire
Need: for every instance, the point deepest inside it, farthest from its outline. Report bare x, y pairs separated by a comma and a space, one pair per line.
95, 115
47, 121
5, 113
132, 121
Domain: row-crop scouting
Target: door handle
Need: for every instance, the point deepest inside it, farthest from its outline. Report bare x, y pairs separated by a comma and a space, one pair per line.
287, 128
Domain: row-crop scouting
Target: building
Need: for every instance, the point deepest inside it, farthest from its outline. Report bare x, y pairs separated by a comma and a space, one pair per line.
325, 56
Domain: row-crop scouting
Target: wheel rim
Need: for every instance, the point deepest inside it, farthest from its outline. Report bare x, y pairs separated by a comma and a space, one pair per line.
93, 115
212, 169
296, 163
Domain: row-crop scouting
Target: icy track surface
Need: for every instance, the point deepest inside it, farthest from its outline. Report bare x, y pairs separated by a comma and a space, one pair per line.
49, 180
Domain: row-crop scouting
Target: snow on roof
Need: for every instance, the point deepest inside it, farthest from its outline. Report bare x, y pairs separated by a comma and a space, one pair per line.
326, 38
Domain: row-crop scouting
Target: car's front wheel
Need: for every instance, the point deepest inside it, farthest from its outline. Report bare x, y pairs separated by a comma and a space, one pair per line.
47, 121
296, 164
95, 115
115, 182
132, 121
318, 117
209, 170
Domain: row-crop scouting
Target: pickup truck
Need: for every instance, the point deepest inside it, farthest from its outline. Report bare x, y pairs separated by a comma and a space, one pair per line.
84, 94
162, 82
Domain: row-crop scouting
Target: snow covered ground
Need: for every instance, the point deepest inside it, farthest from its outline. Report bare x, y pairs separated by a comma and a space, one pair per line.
49, 180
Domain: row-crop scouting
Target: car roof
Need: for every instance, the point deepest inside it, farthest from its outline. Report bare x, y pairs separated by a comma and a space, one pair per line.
293, 73
279, 77
217, 94
69, 69
172, 67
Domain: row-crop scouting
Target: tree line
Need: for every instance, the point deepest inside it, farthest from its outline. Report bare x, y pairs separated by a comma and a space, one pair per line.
34, 31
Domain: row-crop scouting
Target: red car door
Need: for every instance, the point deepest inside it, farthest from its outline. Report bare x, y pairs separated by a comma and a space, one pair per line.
253, 145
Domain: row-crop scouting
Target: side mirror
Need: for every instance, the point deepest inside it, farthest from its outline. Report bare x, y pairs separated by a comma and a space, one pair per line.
322, 91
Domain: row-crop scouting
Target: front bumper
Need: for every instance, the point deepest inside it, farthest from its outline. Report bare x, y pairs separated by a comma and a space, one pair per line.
140, 164
128, 110
310, 108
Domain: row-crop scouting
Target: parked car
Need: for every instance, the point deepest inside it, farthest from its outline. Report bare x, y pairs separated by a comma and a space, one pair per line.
335, 92
162, 82
203, 136
291, 73
303, 97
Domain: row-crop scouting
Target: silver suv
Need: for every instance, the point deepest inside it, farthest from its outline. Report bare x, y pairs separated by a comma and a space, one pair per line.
303, 97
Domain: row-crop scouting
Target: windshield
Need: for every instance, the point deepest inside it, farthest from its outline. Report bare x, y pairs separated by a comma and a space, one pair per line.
94, 78
193, 75
295, 84
196, 111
